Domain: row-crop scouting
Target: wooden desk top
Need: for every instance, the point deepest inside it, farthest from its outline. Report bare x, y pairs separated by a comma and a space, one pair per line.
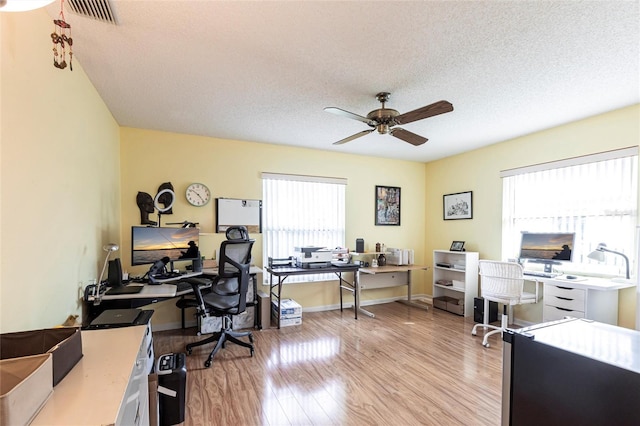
392, 268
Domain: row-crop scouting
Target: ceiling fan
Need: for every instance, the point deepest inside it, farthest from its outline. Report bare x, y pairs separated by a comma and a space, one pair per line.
384, 119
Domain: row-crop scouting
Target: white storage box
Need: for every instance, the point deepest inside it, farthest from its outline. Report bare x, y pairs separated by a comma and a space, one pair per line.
286, 322
25, 385
209, 325
288, 308
290, 312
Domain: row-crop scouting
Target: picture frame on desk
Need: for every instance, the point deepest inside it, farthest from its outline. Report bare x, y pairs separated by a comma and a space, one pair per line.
387, 205
457, 206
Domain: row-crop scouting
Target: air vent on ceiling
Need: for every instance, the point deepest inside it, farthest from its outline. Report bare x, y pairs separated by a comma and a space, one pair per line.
96, 9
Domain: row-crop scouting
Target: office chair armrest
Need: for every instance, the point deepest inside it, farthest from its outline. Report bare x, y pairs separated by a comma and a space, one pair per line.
202, 308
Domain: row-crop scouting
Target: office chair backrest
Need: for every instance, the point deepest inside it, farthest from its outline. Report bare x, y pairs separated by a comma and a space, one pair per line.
233, 253
237, 232
501, 281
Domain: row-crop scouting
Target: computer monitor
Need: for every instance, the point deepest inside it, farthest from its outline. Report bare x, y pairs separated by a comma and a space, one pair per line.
150, 244
547, 247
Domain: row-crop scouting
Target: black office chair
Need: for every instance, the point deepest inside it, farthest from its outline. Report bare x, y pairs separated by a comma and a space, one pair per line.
231, 302
226, 269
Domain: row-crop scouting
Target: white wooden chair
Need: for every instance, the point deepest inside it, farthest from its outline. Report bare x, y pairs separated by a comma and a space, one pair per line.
501, 282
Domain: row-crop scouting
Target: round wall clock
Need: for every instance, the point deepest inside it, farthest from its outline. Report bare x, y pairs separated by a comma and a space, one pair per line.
198, 194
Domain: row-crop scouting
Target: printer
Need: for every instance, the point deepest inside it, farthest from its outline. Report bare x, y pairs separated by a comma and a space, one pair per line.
313, 257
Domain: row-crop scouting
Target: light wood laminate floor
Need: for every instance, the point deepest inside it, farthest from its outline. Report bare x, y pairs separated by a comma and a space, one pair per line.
406, 366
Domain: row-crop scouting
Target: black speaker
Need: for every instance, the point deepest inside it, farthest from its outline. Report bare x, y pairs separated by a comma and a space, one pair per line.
115, 273
478, 310
359, 245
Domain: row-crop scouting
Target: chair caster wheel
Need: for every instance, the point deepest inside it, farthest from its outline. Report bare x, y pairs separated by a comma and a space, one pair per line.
251, 353
251, 338
207, 363
486, 345
189, 351
473, 333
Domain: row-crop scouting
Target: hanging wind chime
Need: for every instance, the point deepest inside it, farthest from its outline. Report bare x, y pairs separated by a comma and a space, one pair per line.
61, 37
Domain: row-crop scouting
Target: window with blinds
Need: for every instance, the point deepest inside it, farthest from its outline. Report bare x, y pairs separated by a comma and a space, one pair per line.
593, 196
301, 211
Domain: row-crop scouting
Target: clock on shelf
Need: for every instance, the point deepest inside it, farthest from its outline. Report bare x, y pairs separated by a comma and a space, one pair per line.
198, 194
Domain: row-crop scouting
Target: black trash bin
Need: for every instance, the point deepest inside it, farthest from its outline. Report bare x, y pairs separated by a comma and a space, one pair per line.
172, 383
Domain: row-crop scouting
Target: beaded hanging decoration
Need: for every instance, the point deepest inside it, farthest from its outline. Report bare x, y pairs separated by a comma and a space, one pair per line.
61, 37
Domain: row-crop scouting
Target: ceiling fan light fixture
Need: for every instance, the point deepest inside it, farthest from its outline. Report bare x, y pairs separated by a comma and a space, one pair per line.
383, 129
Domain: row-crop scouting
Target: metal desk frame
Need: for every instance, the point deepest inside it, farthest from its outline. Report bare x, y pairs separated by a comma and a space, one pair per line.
383, 282
284, 272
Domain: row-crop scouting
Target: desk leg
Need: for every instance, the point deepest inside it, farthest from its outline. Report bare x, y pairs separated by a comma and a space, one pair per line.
340, 290
409, 302
279, 302
357, 293
271, 294
349, 286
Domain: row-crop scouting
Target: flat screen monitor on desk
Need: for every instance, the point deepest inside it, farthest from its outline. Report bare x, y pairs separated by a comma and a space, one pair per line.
549, 248
150, 244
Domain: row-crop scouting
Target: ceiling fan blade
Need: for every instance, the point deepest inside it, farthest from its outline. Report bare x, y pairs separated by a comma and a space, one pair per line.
352, 137
408, 136
343, 113
439, 107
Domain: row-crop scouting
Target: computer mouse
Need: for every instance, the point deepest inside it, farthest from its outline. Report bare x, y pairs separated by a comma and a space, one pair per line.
571, 277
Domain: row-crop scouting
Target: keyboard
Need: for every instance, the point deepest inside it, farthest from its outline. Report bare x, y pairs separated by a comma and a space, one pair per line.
172, 276
541, 274
132, 289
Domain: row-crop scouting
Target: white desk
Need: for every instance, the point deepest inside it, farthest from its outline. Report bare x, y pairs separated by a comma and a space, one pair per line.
109, 385
387, 276
586, 297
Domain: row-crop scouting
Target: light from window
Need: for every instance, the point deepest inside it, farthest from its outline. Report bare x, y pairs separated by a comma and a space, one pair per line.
596, 199
301, 211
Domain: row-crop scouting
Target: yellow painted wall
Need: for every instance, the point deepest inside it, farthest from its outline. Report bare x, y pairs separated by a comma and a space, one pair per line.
231, 169
478, 171
60, 178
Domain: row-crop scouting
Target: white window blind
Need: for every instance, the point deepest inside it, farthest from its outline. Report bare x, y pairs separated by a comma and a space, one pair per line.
301, 211
593, 196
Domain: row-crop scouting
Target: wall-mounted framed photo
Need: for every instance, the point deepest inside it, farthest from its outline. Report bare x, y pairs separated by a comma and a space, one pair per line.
457, 206
387, 205
457, 246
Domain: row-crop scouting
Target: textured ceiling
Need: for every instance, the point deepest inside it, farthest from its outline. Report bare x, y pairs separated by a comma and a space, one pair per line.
264, 71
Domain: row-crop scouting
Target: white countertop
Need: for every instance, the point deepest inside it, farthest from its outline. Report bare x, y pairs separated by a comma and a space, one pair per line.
588, 283
92, 392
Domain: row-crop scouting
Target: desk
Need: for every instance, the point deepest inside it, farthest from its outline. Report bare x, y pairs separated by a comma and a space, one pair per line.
386, 276
284, 273
151, 293
109, 385
585, 297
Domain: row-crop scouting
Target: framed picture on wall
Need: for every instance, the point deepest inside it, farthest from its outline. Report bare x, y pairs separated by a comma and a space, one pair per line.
387, 205
458, 206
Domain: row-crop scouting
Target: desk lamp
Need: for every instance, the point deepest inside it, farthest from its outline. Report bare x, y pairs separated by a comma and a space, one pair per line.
598, 254
111, 247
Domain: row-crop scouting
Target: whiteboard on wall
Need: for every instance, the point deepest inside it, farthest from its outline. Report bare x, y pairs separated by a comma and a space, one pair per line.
234, 212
